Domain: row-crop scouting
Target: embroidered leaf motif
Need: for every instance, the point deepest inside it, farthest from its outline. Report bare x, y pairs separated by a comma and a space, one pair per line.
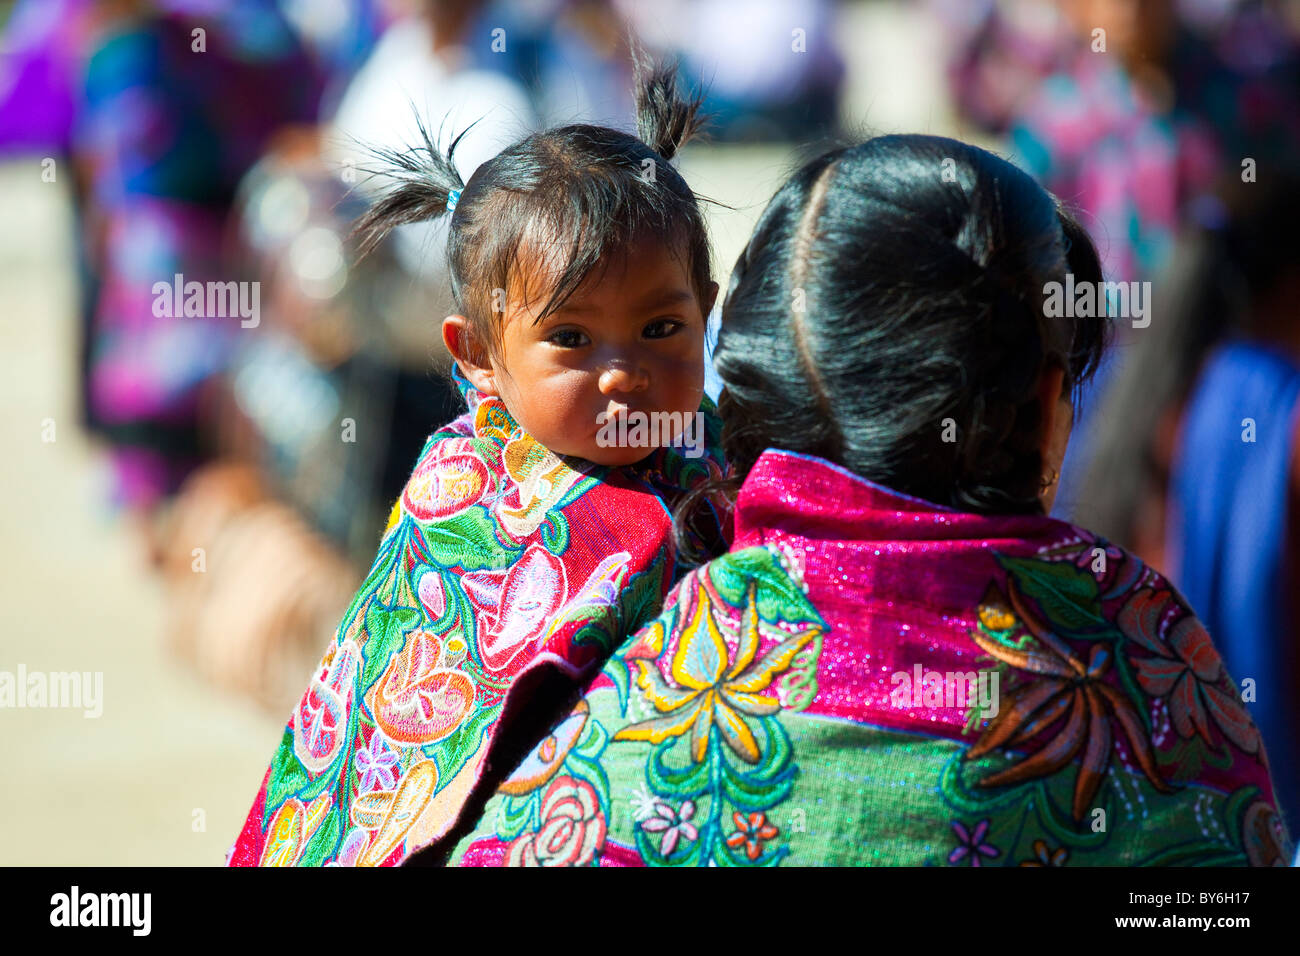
468, 541
779, 598
287, 777
1067, 595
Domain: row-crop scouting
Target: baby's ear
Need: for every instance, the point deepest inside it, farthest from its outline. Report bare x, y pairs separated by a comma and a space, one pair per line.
469, 353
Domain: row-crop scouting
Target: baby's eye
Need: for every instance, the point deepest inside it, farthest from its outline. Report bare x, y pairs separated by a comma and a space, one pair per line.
662, 328
568, 339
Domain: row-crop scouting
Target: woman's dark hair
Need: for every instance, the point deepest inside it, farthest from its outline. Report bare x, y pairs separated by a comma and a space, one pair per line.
559, 199
888, 315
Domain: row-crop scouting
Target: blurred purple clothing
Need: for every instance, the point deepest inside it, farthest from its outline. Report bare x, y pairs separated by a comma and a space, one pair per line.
42, 50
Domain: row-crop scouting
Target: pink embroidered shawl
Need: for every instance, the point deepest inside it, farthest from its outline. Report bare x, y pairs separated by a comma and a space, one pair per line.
867, 678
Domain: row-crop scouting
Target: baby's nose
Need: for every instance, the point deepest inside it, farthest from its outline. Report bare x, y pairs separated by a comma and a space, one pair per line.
623, 377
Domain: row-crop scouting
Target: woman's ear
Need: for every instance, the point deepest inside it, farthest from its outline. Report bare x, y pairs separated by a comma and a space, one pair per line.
712, 296
1057, 417
469, 353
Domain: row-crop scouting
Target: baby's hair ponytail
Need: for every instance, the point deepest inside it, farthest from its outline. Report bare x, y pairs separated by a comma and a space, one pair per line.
544, 212
426, 185
665, 120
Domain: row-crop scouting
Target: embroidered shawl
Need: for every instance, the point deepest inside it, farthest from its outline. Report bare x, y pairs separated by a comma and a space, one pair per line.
867, 678
500, 557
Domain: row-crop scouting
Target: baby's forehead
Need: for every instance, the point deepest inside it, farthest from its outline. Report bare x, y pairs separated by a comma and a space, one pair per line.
644, 274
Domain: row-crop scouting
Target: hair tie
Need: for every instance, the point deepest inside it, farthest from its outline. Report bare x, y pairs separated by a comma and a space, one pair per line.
453, 197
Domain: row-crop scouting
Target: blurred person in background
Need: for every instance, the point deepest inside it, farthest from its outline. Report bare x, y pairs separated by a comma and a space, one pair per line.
1128, 109
1131, 111
175, 105
45, 52
1147, 109
1196, 465
42, 59
771, 67
433, 66
997, 52
428, 58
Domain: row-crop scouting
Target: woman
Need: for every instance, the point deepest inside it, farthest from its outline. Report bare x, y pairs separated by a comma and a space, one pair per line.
901, 659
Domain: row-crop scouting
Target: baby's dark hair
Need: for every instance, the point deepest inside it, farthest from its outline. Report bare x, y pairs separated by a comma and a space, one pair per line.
561, 198
889, 287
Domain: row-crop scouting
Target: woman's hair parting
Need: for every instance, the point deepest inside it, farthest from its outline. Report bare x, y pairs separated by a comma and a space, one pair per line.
553, 204
888, 315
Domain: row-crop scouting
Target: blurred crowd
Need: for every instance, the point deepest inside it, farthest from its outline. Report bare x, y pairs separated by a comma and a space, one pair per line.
229, 141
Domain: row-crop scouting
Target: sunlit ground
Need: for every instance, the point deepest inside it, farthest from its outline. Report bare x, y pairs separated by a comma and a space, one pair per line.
167, 772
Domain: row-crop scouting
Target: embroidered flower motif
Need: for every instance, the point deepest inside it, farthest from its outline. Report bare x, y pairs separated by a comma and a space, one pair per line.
1113, 569
420, 699
449, 480
515, 605
1064, 688
320, 719
751, 832
541, 479
596, 601
643, 805
1264, 837
548, 756
375, 766
572, 831
433, 594
972, 844
1186, 671
291, 828
1045, 856
708, 688
673, 824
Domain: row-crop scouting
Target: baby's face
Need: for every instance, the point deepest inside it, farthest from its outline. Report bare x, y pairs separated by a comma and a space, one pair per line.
630, 341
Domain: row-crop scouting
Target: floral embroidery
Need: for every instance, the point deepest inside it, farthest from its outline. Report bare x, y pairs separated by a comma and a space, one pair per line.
673, 824
572, 832
470, 585
422, 696
1264, 836
1065, 689
446, 482
318, 721
515, 605
375, 766
971, 844
354, 844
751, 832
1186, 671
711, 690
1046, 856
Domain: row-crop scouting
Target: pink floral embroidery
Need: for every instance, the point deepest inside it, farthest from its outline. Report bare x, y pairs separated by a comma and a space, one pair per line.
515, 605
